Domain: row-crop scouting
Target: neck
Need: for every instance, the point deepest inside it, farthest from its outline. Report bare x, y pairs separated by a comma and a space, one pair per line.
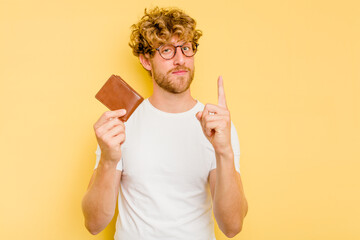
170, 102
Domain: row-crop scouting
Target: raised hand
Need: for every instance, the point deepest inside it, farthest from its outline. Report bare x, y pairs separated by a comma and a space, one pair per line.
110, 134
216, 123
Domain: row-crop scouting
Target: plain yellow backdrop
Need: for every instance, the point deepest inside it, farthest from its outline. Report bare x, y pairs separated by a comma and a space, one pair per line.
292, 82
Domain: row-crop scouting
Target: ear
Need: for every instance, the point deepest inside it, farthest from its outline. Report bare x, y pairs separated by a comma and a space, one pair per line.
145, 61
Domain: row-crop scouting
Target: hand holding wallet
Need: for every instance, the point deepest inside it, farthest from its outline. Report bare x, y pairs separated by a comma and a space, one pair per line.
117, 94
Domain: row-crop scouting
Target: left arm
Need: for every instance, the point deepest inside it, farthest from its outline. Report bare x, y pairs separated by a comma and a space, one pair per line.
229, 202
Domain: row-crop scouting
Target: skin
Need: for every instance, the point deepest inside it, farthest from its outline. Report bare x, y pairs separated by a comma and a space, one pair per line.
171, 81
229, 203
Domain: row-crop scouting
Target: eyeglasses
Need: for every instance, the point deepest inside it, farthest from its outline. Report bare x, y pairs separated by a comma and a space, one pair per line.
168, 51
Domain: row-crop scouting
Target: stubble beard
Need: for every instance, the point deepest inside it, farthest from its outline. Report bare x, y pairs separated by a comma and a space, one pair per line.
174, 83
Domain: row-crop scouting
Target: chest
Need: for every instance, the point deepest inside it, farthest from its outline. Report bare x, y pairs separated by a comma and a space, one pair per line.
170, 148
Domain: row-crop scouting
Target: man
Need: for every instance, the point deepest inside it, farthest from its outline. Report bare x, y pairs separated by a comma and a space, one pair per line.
174, 160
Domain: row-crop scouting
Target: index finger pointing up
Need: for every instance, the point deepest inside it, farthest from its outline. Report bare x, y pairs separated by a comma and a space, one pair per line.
221, 93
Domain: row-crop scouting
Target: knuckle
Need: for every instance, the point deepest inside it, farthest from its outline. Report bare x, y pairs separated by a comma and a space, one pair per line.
105, 140
118, 130
98, 132
120, 127
207, 106
208, 118
122, 136
107, 114
228, 119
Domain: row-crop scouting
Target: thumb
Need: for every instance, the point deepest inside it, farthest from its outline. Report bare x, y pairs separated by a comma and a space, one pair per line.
198, 115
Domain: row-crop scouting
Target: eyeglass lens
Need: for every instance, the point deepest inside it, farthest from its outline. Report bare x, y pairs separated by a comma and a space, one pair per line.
168, 51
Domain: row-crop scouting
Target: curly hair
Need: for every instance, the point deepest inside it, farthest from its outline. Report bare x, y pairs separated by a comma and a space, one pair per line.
158, 26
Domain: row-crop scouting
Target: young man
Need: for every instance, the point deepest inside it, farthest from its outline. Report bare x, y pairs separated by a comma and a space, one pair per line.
174, 160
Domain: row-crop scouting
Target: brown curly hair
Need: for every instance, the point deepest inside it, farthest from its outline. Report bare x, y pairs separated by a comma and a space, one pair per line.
158, 26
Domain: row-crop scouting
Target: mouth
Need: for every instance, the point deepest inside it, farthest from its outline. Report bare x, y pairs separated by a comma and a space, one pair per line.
179, 72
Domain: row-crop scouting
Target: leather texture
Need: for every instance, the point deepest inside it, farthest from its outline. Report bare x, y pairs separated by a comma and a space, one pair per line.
117, 94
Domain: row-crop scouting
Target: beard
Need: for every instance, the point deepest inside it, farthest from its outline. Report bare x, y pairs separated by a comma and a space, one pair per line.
174, 83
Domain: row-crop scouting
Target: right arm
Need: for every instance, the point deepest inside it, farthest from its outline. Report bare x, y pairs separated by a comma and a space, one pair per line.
99, 202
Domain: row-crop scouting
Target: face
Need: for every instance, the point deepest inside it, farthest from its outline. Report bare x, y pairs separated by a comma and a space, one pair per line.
174, 75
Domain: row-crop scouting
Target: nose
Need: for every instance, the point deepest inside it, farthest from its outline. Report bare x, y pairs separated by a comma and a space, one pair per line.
179, 58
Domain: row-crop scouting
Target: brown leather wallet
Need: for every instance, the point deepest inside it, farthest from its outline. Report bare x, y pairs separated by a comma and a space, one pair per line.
117, 94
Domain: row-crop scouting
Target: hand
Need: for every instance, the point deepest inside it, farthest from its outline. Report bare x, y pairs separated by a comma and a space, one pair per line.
110, 134
215, 122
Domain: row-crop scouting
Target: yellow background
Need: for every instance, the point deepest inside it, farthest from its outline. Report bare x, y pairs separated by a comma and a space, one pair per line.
292, 79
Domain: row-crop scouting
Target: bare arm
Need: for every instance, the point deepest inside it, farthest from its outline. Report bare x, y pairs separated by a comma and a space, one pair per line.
229, 202
99, 202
